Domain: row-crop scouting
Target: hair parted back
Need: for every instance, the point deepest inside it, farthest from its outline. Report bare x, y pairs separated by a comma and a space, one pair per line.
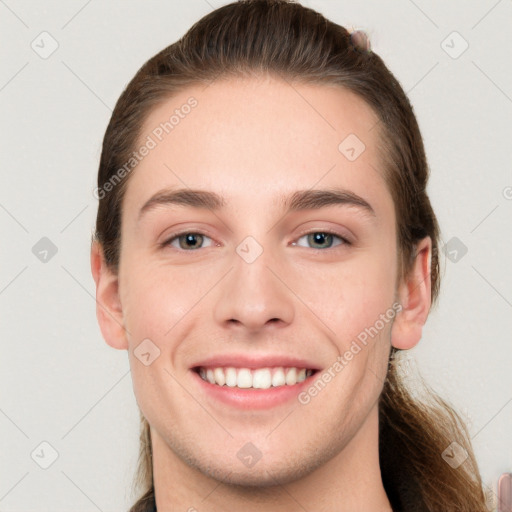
299, 45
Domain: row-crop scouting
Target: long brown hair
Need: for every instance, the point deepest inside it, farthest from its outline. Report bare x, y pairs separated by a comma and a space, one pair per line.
299, 45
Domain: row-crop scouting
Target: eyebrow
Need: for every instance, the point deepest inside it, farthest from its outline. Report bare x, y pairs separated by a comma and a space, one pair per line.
299, 200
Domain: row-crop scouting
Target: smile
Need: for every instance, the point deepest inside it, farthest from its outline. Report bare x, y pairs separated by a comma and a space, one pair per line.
256, 378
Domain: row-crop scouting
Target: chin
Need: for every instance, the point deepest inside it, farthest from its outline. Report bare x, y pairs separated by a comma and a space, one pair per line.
263, 474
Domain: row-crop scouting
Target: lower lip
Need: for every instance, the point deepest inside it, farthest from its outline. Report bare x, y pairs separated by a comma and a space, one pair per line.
253, 398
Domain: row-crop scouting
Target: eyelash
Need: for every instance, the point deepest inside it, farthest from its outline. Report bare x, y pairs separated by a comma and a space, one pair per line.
343, 239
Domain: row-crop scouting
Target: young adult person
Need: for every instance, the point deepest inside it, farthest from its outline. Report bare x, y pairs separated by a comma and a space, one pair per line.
265, 248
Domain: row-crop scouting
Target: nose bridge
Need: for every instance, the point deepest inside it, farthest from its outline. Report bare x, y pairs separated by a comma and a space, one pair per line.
253, 296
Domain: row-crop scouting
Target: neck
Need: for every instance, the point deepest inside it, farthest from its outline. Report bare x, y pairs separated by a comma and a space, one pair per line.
349, 482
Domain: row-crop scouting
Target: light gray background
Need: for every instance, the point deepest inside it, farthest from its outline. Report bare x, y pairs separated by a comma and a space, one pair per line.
62, 384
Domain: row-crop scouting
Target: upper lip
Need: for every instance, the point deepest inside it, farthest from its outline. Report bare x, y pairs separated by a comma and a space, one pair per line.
254, 361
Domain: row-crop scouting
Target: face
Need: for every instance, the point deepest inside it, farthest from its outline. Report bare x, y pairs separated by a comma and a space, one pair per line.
282, 284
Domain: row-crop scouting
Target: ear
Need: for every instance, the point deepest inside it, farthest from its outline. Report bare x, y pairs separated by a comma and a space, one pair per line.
414, 296
108, 306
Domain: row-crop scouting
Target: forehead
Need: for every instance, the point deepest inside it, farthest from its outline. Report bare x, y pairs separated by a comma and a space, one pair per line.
246, 137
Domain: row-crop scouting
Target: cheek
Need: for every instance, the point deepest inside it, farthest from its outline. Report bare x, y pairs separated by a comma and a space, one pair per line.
350, 296
156, 297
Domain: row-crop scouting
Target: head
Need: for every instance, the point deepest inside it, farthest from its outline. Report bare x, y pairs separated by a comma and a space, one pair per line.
279, 209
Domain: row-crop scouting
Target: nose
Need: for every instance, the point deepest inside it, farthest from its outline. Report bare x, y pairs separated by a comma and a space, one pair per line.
255, 295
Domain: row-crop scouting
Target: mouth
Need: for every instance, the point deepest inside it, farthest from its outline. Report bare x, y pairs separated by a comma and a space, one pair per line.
252, 382
254, 378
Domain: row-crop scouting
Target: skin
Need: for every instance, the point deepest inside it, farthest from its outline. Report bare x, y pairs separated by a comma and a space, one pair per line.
253, 141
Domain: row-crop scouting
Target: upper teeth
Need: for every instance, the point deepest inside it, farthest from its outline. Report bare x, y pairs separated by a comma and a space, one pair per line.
262, 378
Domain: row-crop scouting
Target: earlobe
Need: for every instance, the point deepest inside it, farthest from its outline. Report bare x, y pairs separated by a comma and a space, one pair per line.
108, 305
415, 297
